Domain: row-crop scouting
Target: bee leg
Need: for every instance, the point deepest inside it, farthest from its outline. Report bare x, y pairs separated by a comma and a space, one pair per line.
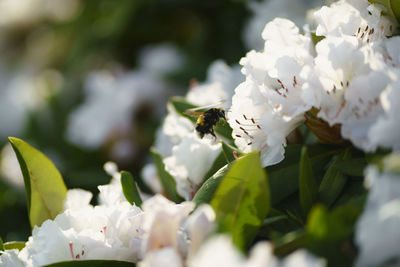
213, 134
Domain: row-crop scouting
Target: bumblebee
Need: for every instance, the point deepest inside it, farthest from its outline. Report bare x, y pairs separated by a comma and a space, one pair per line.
207, 120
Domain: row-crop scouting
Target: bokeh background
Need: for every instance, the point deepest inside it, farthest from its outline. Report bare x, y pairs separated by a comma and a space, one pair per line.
86, 81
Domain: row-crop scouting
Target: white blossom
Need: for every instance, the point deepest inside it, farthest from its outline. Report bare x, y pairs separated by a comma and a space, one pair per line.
354, 18
9, 258
112, 98
376, 230
219, 86
191, 159
267, 10
345, 84
268, 105
220, 251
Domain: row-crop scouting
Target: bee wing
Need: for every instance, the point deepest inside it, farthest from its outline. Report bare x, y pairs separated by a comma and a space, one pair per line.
204, 107
193, 113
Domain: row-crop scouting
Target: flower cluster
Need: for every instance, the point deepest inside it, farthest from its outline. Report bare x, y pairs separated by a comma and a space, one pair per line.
350, 77
157, 232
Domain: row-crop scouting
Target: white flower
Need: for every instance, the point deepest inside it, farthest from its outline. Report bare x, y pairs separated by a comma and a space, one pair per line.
345, 84
161, 257
199, 226
171, 231
268, 105
220, 251
220, 85
266, 11
85, 232
386, 131
110, 102
160, 59
9, 258
354, 18
21, 93
172, 131
150, 177
191, 159
301, 258
376, 232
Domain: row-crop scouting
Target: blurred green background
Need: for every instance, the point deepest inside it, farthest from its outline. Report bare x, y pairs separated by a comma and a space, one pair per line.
54, 46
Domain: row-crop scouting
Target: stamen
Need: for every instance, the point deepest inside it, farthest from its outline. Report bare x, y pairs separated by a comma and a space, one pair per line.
337, 112
235, 155
249, 143
71, 250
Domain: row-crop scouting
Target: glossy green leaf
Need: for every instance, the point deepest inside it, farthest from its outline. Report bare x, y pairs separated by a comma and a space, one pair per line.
92, 263
392, 7
352, 167
14, 245
330, 233
219, 162
129, 189
289, 242
167, 181
333, 181
44, 184
308, 190
283, 177
207, 190
229, 151
242, 201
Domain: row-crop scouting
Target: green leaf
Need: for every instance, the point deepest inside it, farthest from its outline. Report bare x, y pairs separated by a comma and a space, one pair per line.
44, 184
308, 190
181, 105
207, 190
166, 179
283, 177
14, 245
289, 242
315, 38
330, 233
333, 181
352, 167
392, 7
229, 151
219, 162
92, 263
1, 244
130, 190
242, 201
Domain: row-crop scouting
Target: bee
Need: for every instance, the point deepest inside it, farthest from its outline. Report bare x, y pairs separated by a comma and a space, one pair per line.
207, 120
